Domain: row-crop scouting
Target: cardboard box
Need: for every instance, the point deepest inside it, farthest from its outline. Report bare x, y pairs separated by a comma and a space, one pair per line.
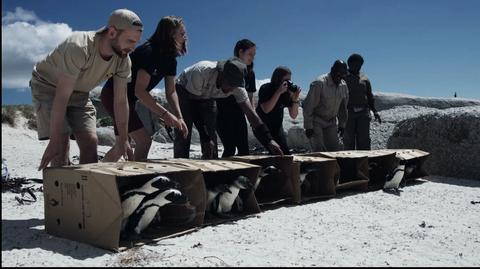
82, 202
223, 172
380, 164
275, 188
353, 168
321, 178
414, 158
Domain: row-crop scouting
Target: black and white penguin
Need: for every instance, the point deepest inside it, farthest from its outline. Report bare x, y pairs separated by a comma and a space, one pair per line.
265, 172
394, 178
305, 184
226, 199
131, 199
213, 193
149, 206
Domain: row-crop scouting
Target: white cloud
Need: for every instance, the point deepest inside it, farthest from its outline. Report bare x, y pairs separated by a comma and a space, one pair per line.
260, 82
25, 40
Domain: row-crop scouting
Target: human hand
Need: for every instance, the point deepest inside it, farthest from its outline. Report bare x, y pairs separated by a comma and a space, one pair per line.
340, 131
170, 120
183, 128
283, 87
309, 133
377, 117
296, 94
53, 150
117, 151
274, 148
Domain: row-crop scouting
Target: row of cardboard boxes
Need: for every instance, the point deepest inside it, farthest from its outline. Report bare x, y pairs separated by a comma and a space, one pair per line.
82, 202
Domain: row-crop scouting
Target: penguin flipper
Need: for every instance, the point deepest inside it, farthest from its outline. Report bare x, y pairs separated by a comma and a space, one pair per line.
239, 203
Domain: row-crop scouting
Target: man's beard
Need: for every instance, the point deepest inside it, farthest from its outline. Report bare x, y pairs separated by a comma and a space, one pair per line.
118, 51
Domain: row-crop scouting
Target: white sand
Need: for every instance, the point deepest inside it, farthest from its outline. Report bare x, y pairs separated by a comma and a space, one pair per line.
432, 223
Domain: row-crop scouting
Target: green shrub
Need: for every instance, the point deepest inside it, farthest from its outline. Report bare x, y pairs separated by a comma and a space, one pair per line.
105, 121
9, 115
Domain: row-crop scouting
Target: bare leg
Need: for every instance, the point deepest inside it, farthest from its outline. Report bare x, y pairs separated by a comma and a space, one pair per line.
143, 142
87, 143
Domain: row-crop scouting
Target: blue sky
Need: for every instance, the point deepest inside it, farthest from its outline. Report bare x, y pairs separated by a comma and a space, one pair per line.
424, 48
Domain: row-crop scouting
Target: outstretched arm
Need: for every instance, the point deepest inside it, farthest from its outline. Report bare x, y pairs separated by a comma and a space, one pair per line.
260, 130
63, 92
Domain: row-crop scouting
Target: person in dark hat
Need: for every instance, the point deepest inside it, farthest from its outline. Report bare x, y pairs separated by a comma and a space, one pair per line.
360, 102
197, 87
325, 109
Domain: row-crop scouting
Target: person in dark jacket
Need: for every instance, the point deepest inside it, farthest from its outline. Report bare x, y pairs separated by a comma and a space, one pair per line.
273, 97
151, 62
231, 123
360, 102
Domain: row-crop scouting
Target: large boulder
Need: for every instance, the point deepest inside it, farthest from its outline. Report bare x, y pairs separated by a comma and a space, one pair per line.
452, 136
106, 136
385, 101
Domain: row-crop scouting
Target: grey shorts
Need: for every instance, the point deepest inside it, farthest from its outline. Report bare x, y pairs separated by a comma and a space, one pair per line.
80, 114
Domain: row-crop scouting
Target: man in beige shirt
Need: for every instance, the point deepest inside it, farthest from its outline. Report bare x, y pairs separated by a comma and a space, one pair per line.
324, 106
61, 83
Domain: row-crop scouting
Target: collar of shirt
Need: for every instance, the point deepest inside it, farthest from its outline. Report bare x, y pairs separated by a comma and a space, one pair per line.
330, 81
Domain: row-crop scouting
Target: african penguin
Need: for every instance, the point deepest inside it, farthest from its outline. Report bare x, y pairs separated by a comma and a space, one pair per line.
395, 178
131, 199
213, 193
226, 199
148, 208
267, 171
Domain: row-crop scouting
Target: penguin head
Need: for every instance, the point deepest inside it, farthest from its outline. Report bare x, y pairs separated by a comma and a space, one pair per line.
222, 188
164, 183
243, 182
269, 170
176, 196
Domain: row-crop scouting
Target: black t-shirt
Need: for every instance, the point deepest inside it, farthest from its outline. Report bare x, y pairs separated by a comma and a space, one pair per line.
158, 66
274, 118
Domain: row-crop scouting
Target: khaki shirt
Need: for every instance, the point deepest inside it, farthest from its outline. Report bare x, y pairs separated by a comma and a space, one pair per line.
79, 57
200, 80
324, 102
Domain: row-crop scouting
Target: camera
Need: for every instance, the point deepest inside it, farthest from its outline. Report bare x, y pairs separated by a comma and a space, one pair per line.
291, 86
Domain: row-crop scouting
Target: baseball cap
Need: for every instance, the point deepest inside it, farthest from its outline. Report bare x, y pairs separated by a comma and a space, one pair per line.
124, 19
234, 71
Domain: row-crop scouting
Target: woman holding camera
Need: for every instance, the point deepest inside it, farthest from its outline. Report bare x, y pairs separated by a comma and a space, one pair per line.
273, 97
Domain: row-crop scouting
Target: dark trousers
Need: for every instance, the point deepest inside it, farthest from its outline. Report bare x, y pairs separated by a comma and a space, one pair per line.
357, 130
232, 127
202, 113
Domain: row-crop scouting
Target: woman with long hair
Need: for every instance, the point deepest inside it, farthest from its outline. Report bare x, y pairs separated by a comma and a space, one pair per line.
152, 61
273, 97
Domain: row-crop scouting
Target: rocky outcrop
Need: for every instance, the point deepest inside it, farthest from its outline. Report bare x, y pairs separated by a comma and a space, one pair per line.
385, 101
106, 136
452, 137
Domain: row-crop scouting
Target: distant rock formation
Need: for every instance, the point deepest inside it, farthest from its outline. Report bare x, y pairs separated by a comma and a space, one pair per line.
452, 136
385, 101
